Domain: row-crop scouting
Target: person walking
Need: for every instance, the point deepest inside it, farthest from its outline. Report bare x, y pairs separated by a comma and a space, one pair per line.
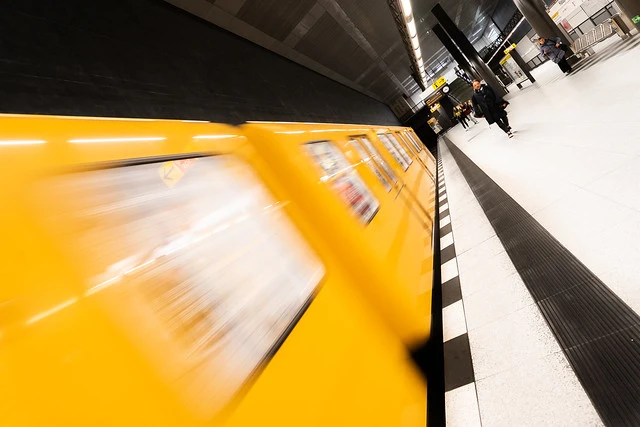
556, 51
467, 109
486, 104
460, 116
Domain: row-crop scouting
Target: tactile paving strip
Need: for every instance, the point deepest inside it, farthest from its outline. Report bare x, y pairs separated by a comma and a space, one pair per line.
598, 332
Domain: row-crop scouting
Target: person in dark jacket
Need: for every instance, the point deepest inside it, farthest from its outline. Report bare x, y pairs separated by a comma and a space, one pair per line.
555, 51
458, 113
467, 107
486, 104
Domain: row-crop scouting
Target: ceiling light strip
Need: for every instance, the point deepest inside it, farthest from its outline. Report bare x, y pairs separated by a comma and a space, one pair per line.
410, 23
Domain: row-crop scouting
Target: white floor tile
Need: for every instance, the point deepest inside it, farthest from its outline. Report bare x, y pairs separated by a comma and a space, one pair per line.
449, 270
446, 241
472, 233
465, 208
541, 393
461, 407
480, 270
518, 339
502, 296
621, 185
453, 321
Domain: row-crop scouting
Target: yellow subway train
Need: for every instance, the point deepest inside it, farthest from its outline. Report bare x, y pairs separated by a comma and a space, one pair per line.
179, 273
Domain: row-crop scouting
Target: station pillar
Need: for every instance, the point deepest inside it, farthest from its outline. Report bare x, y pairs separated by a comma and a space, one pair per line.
468, 50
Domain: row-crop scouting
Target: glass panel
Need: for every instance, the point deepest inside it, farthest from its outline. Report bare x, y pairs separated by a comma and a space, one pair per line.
379, 159
586, 26
344, 180
371, 163
209, 274
401, 148
415, 143
397, 152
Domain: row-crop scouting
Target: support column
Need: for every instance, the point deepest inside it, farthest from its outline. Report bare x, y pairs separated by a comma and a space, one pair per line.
631, 8
523, 65
454, 51
536, 14
468, 50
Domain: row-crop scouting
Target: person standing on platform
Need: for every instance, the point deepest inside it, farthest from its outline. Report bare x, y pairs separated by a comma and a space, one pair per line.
486, 104
555, 51
460, 116
467, 108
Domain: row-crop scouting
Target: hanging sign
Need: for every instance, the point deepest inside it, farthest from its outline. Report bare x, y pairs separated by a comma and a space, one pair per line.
438, 83
510, 48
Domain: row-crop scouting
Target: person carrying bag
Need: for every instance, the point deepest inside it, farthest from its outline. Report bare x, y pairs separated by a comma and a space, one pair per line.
486, 104
556, 51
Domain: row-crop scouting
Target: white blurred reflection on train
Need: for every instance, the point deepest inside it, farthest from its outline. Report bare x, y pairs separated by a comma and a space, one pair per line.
206, 274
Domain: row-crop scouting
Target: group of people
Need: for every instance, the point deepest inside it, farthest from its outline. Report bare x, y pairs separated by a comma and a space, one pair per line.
462, 112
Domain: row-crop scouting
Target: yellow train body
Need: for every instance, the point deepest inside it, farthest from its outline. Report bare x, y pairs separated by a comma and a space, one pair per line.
174, 273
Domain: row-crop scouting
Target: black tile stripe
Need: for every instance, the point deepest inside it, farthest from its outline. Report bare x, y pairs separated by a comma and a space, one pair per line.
598, 332
445, 230
447, 254
451, 292
458, 367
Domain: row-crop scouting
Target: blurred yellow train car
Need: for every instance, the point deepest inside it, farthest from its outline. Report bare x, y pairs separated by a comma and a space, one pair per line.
392, 209
174, 273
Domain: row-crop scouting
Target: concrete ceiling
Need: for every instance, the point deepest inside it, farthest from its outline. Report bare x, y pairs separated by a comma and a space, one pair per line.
354, 42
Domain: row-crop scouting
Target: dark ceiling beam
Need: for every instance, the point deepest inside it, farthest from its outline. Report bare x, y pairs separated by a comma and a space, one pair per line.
468, 50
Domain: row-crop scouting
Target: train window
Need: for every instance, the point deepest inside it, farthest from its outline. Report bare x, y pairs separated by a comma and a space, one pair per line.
413, 141
404, 142
401, 147
370, 161
343, 179
396, 150
379, 159
209, 274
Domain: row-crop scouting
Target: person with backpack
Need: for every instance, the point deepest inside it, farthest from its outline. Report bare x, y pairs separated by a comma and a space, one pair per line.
488, 105
556, 51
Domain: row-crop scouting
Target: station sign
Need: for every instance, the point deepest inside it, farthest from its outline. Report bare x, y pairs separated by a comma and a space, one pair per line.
510, 48
439, 83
